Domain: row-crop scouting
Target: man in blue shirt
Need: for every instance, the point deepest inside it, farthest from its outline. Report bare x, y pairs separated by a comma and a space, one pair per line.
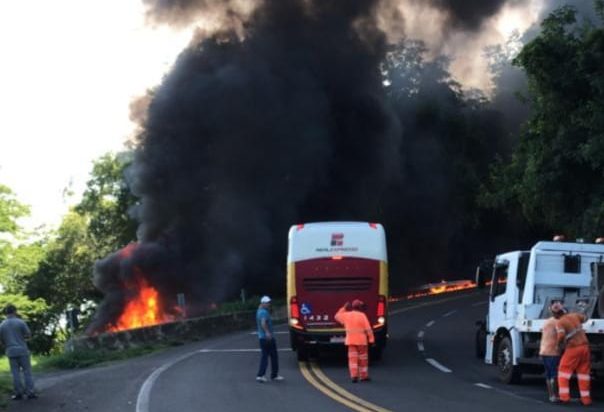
268, 346
13, 334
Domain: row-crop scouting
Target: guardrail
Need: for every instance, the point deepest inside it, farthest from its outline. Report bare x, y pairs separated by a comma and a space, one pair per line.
187, 330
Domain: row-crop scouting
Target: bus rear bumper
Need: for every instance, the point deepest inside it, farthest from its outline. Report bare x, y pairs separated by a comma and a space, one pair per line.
303, 339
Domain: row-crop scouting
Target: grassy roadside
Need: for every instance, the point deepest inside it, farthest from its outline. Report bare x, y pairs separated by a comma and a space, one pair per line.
84, 359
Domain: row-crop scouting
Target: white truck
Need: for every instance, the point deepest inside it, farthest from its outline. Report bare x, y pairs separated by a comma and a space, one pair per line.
523, 283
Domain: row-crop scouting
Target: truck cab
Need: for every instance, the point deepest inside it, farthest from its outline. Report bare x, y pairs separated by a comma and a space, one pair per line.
522, 286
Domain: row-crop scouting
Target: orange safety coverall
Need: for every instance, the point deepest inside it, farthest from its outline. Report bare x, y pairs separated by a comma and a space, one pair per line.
358, 335
576, 357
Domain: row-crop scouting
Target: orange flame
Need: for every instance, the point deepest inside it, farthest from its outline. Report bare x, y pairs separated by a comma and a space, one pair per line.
437, 289
143, 310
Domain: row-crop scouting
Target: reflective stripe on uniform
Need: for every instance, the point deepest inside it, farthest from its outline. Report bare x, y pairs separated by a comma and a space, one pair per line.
564, 390
583, 377
564, 374
573, 332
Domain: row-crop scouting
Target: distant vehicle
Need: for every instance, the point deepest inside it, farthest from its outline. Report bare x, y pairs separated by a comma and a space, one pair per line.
329, 264
523, 284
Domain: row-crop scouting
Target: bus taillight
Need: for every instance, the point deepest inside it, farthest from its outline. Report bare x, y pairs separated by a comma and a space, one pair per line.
381, 309
294, 312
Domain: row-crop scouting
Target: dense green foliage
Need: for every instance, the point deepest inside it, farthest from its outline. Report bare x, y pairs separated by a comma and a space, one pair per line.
554, 177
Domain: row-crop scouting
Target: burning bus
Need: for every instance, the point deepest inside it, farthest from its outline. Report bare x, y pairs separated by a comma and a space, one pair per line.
329, 264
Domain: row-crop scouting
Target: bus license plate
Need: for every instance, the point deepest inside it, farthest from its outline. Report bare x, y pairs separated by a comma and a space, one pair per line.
337, 339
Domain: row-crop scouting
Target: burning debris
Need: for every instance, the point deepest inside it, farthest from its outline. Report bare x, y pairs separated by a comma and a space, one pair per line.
131, 300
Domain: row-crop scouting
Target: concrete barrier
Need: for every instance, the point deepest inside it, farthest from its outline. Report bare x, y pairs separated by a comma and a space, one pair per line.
174, 332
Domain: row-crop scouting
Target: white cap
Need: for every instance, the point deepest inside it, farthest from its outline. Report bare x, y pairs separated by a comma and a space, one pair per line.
265, 299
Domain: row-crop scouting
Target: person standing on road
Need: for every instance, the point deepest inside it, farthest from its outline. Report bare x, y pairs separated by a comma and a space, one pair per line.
268, 346
576, 357
14, 332
549, 350
359, 336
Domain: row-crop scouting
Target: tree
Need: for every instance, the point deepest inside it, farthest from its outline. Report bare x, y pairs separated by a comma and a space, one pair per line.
554, 177
107, 202
97, 226
10, 211
35, 313
63, 277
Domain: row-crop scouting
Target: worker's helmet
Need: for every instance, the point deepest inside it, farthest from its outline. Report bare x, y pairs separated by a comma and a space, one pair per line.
557, 308
358, 304
559, 238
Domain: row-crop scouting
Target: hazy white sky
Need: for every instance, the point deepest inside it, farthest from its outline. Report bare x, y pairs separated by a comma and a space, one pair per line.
68, 71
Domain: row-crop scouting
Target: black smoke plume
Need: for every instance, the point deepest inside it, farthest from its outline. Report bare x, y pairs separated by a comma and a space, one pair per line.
468, 14
250, 134
296, 111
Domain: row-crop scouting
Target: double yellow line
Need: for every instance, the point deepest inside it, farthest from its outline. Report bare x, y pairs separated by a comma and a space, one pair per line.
315, 376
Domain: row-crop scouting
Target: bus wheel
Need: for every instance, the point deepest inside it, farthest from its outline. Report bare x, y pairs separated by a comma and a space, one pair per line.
376, 353
508, 372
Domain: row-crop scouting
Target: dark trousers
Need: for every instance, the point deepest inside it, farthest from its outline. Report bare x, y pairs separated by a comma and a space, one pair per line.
20, 364
268, 347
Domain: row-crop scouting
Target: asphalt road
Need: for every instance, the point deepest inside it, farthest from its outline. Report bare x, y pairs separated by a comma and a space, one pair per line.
429, 365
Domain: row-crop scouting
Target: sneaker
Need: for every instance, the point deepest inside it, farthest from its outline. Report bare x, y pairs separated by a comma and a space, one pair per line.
32, 396
278, 378
261, 379
17, 397
354, 380
367, 379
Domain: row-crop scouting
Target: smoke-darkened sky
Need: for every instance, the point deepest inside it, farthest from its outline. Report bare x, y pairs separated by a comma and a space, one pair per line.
278, 115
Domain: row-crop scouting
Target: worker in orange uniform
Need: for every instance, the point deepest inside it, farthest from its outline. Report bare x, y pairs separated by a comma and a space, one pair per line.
549, 349
576, 356
359, 336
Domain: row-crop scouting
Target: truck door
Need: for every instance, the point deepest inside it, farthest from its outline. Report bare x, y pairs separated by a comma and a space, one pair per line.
498, 302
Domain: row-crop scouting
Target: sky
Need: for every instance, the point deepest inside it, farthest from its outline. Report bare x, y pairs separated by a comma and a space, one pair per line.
68, 71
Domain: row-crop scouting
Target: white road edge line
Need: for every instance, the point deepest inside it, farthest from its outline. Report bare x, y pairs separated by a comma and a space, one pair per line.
479, 303
420, 346
438, 366
483, 385
449, 313
144, 395
430, 323
420, 334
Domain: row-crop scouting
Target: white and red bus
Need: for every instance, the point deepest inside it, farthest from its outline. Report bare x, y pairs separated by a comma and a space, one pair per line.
329, 264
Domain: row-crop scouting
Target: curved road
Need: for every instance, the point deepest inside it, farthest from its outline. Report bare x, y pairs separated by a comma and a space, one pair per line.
429, 365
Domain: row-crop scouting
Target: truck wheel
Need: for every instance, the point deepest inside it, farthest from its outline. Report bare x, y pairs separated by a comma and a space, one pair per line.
508, 372
481, 342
